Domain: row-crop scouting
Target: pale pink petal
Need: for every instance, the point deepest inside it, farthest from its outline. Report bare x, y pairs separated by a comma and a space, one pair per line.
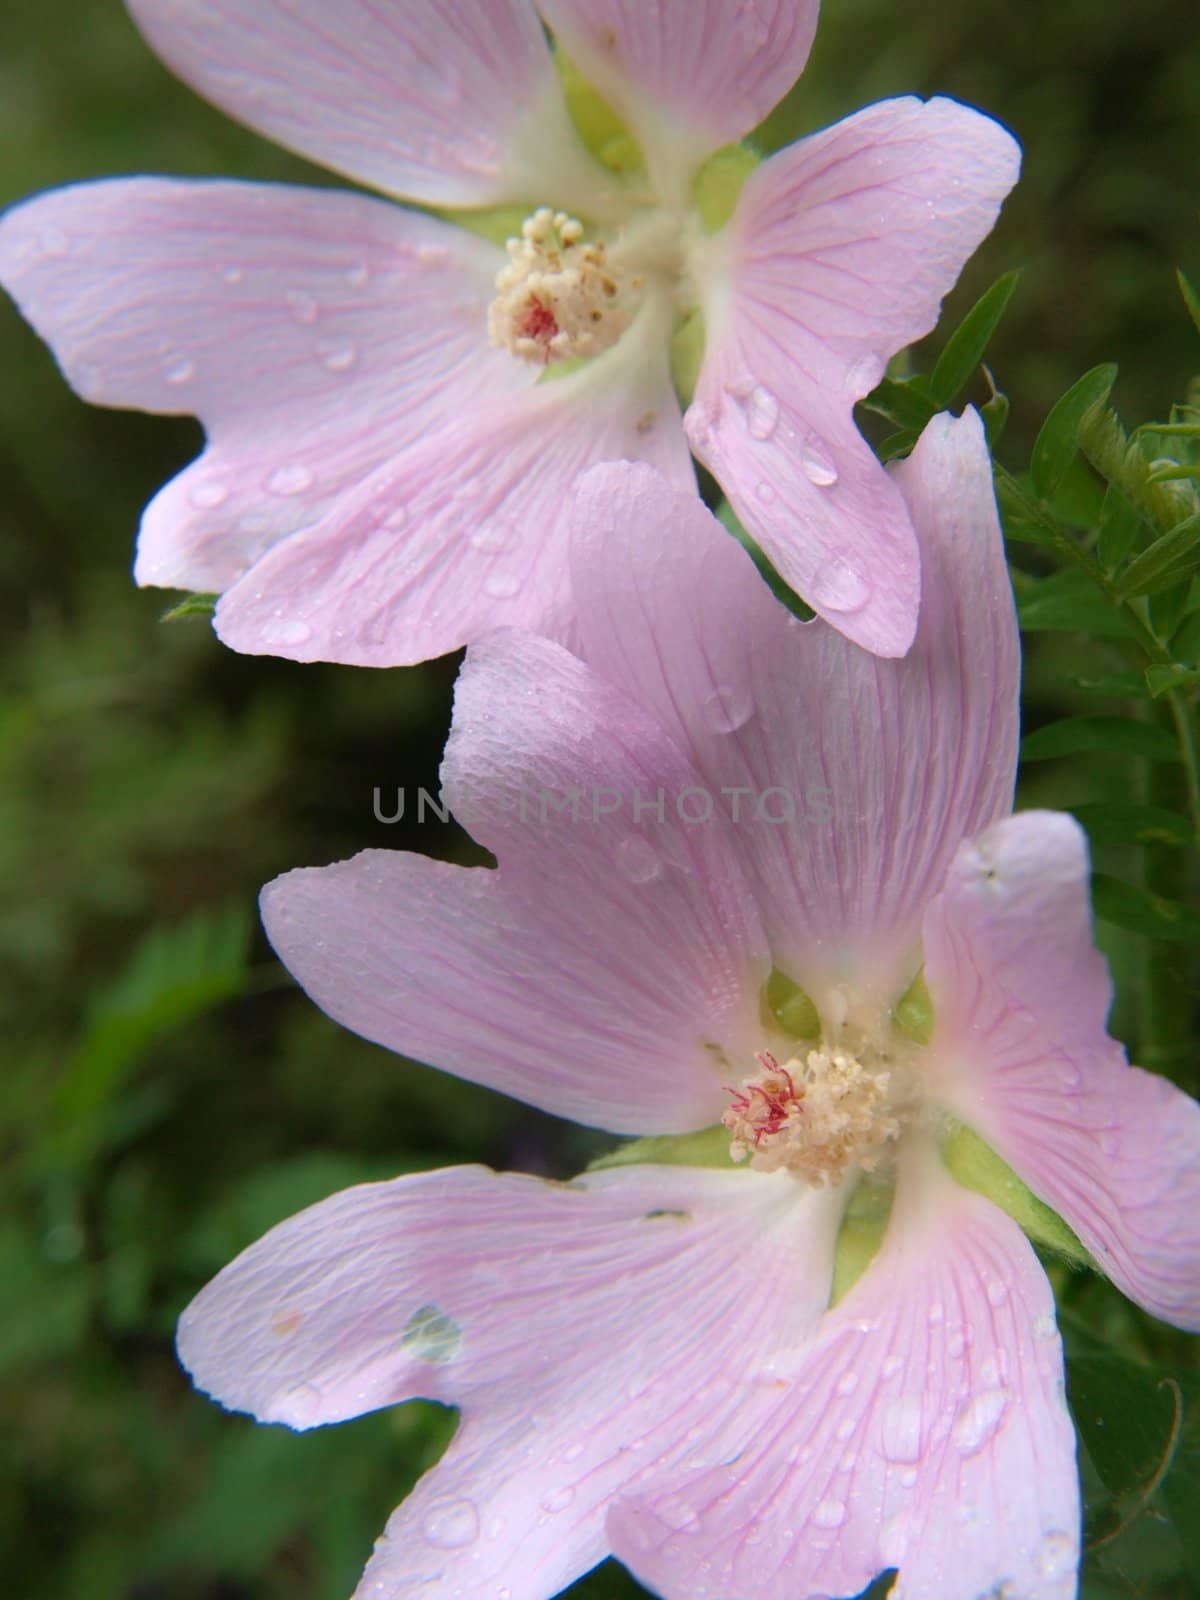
590, 1332
314, 333
608, 971
850, 781
701, 71
925, 1429
464, 533
456, 105
840, 251
1021, 998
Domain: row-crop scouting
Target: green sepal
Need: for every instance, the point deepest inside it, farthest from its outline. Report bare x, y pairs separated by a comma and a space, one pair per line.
707, 1148
785, 1006
913, 1013
192, 605
686, 354
605, 134
860, 1235
719, 183
977, 1167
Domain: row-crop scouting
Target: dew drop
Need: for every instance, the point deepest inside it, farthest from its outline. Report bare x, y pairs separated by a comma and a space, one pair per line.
336, 357
762, 412
937, 1314
638, 860
863, 375
572, 1452
891, 1366
178, 370
838, 587
451, 1524
845, 1428
300, 1407
492, 537
501, 585
764, 492
678, 1515
302, 306
818, 465
997, 1292
359, 275
958, 1342
893, 1540
977, 1420
558, 1501
1045, 1327
908, 1478
208, 495
829, 1514
232, 275
1058, 1554
900, 1438
727, 709
1110, 1142
847, 1383
292, 478
286, 631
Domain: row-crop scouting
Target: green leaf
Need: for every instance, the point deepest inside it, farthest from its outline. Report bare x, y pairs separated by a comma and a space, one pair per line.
994, 412
1125, 1413
1181, 1491
966, 345
1190, 298
901, 402
1120, 529
1162, 679
1118, 735
1071, 601
193, 605
1056, 445
1129, 822
1127, 905
1170, 559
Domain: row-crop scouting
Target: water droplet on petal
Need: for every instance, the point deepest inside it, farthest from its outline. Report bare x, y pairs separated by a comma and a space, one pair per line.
501, 585
208, 495
863, 375
762, 412
335, 356
765, 492
937, 1314
300, 1407
638, 860
829, 1514
838, 587
572, 1452
1110, 1142
847, 1383
559, 1500
232, 275
997, 1292
845, 1428
302, 306
900, 1438
293, 478
451, 1524
493, 536
359, 275
727, 709
977, 1420
1045, 1327
678, 1515
178, 370
891, 1366
1058, 1554
818, 464
957, 1343
285, 631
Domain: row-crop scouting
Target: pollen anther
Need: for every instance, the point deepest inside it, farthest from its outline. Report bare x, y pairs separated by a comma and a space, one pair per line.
557, 298
814, 1116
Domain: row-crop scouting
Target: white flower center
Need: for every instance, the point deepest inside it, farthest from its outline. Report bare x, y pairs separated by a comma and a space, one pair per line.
816, 1114
558, 297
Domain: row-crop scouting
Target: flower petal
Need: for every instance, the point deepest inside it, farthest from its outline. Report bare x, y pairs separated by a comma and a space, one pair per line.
314, 333
857, 778
587, 1330
703, 69
840, 251
463, 533
608, 971
452, 105
925, 1429
1021, 998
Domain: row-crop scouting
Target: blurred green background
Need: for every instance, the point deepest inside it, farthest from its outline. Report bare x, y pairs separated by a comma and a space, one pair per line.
167, 1094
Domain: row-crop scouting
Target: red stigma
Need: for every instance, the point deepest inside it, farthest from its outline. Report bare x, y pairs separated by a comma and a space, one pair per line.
536, 322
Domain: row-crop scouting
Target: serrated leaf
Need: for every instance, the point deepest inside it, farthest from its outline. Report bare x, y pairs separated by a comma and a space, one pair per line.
1168, 561
1070, 601
1120, 529
1117, 735
1056, 445
193, 605
901, 402
1190, 298
1160, 679
1129, 822
1127, 905
965, 347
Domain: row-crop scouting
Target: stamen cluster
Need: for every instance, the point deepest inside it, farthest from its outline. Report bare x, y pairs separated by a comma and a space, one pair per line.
557, 298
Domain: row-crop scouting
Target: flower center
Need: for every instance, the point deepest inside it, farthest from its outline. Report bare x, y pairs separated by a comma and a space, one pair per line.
558, 298
815, 1115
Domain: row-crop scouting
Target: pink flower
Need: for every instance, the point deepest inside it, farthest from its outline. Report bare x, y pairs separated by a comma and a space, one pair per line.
385, 476
646, 1359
